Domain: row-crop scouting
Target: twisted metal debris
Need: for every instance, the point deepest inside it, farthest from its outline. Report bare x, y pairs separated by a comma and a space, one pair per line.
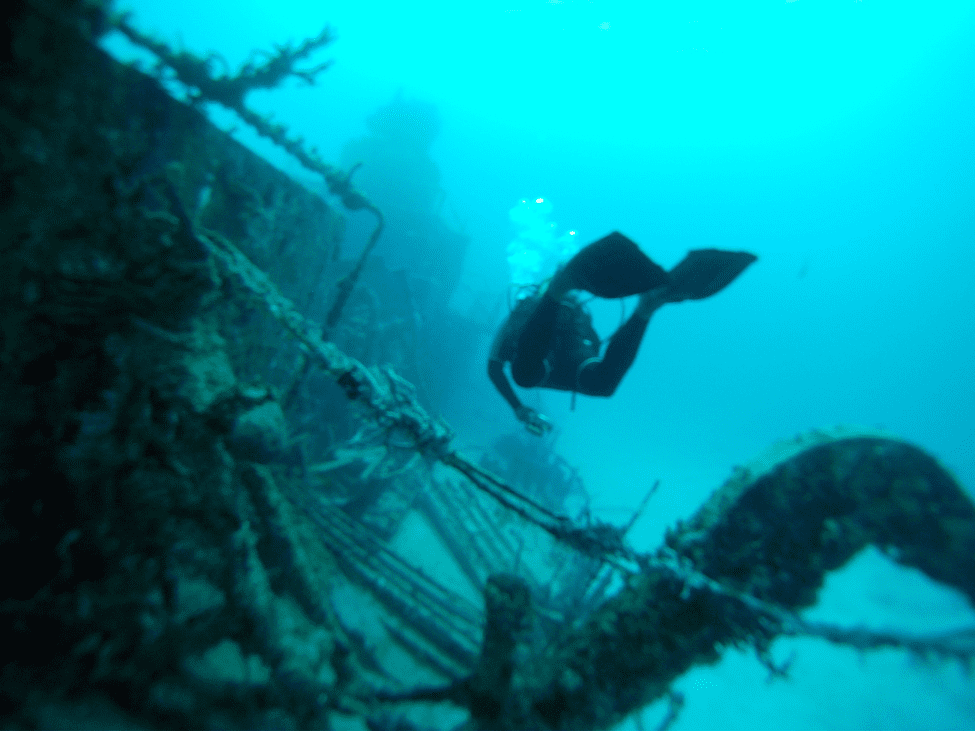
399, 421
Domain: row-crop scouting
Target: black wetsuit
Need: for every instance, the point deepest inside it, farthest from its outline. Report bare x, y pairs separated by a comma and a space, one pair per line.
553, 345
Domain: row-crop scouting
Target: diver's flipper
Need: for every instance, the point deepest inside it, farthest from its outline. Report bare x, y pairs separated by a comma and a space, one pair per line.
705, 272
614, 267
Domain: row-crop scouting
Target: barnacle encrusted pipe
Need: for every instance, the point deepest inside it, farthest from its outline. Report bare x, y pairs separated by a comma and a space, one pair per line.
736, 572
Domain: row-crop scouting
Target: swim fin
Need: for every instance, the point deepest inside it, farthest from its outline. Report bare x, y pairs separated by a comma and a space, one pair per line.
704, 272
614, 267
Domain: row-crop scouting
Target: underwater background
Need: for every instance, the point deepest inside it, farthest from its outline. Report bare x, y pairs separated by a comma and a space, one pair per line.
832, 139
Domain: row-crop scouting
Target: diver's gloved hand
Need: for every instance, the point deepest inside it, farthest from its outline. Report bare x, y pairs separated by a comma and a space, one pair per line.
534, 422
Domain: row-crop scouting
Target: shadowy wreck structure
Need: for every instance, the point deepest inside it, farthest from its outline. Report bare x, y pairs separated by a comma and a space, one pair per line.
201, 488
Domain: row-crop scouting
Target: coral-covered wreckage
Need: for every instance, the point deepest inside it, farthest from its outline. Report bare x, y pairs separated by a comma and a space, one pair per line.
193, 469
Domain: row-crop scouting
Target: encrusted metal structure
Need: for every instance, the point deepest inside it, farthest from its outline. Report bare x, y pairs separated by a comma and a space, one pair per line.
213, 427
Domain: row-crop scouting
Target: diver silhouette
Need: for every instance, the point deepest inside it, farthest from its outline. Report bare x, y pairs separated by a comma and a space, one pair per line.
549, 339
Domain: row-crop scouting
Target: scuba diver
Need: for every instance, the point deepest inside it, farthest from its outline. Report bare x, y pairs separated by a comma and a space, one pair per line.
549, 339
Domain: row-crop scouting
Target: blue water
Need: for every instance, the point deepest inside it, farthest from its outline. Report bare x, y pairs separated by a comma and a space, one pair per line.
835, 140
